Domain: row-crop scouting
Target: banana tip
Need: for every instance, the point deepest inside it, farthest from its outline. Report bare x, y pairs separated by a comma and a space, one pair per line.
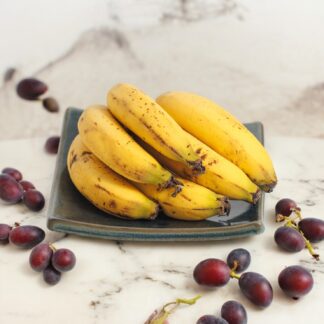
197, 166
268, 187
226, 207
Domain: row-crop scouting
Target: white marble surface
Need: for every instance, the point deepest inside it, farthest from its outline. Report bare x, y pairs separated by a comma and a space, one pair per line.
123, 282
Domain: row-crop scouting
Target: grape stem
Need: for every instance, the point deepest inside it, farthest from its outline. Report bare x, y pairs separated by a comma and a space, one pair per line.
52, 247
292, 224
159, 317
233, 273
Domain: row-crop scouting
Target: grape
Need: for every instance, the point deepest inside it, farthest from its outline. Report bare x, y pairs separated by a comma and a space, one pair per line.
313, 229
211, 319
234, 312
10, 190
4, 233
284, 207
31, 89
295, 281
34, 200
26, 185
256, 288
52, 144
212, 272
63, 260
40, 257
242, 257
51, 275
50, 104
289, 239
13, 173
26, 236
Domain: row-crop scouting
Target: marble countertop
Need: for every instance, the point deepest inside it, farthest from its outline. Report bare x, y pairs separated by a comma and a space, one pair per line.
123, 282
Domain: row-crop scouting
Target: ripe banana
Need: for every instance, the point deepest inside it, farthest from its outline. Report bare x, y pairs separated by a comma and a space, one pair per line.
144, 117
193, 203
221, 175
107, 140
221, 131
104, 188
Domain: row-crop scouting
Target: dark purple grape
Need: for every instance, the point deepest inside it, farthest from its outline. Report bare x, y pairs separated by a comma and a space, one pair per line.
295, 281
13, 173
256, 288
50, 104
4, 233
212, 272
289, 239
34, 200
52, 144
234, 312
313, 229
285, 207
211, 319
51, 275
10, 190
63, 260
26, 185
26, 236
31, 89
241, 257
40, 257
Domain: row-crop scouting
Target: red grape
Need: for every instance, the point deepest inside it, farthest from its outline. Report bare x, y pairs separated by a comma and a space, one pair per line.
34, 200
26, 185
13, 173
285, 207
52, 144
241, 257
40, 257
256, 288
26, 236
234, 312
31, 89
295, 281
313, 229
212, 272
63, 260
10, 190
51, 275
4, 233
289, 239
211, 319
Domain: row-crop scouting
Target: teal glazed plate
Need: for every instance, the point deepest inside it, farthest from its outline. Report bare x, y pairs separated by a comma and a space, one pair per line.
70, 212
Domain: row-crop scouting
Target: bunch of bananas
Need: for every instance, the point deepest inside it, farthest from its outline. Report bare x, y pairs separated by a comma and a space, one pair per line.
181, 152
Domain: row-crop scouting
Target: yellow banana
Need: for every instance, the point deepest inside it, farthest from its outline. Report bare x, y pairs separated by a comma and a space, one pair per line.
221, 131
109, 142
104, 188
144, 117
221, 175
193, 203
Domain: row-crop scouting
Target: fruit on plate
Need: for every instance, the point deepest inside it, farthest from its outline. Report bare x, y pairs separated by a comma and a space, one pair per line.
107, 139
221, 175
104, 188
194, 202
144, 117
221, 131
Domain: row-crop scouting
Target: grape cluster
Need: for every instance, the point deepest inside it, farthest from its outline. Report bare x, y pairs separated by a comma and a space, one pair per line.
13, 189
216, 273
45, 258
32, 89
297, 233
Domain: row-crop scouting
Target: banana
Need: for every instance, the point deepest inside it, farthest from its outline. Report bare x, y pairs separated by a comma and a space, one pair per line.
104, 188
108, 140
221, 175
144, 117
221, 131
193, 203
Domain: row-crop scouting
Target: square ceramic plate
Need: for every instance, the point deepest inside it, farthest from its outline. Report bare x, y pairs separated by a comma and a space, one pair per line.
70, 212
